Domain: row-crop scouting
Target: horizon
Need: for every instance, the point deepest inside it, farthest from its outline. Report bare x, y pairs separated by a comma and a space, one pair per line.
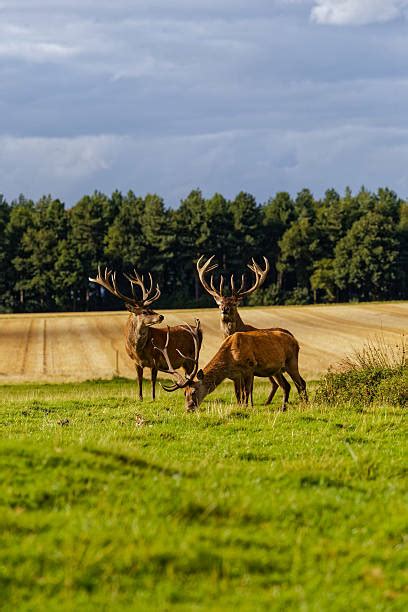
293, 196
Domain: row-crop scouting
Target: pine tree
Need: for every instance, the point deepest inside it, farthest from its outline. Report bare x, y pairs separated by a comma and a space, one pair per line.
88, 223
5, 264
39, 253
191, 230
246, 231
277, 216
365, 261
21, 218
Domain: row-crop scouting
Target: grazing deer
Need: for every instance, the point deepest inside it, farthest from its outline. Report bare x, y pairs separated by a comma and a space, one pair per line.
241, 356
231, 321
140, 333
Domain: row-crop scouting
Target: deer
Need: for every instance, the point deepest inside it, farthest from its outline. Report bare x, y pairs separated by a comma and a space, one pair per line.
231, 321
139, 330
240, 357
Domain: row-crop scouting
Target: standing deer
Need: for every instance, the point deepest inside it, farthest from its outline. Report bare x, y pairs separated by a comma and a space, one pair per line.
231, 321
140, 334
241, 356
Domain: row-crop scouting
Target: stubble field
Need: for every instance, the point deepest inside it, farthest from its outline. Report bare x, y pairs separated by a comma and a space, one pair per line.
84, 346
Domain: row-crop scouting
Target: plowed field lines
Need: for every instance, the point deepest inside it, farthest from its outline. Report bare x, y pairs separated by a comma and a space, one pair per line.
80, 346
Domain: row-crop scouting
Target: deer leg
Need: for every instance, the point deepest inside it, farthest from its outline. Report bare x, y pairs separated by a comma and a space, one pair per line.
302, 390
154, 376
274, 389
285, 386
247, 381
250, 390
237, 388
139, 371
293, 371
241, 390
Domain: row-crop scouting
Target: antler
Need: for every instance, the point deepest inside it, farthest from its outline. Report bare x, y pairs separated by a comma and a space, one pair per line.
260, 276
183, 381
139, 281
108, 281
204, 268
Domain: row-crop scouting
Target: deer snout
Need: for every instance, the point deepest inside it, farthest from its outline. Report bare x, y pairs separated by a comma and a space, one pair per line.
161, 317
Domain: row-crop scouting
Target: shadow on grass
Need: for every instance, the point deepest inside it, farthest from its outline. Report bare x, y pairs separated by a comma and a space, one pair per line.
202, 514
133, 461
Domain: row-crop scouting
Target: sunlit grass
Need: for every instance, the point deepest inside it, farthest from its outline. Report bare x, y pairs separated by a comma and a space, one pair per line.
109, 503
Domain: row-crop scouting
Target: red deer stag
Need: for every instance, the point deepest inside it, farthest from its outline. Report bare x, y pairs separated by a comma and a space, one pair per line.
231, 321
139, 331
241, 356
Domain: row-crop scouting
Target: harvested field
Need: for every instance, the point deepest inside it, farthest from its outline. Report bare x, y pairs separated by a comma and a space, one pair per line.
81, 346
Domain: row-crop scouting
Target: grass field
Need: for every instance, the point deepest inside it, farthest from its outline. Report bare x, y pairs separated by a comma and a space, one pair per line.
111, 504
83, 346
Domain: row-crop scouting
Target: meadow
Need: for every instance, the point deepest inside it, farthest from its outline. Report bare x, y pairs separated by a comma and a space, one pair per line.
112, 504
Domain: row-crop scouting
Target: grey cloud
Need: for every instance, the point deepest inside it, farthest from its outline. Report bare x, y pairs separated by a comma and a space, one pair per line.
357, 12
265, 161
156, 96
35, 166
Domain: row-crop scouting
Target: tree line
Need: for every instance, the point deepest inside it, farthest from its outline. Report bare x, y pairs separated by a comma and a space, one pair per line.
333, 249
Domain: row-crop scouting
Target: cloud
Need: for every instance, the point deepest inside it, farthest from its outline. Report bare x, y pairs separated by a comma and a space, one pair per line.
265, 160
36, 52
33, 45
35, 166
232, 95
357, 12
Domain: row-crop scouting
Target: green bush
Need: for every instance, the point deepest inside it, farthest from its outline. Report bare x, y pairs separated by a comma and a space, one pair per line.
299, 295
378, 372
269, 296
394, 390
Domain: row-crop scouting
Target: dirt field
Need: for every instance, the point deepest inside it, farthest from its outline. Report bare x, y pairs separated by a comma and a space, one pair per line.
80, 346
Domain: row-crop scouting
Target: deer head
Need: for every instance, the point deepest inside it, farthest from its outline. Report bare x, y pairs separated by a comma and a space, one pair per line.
138, 306
228, 305
186, 382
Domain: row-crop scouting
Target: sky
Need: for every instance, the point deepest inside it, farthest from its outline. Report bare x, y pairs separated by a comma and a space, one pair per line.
165, 96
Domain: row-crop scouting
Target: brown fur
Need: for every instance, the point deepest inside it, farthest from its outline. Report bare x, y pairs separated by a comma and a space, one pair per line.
244, 355
140, 335
231, 322
139, 346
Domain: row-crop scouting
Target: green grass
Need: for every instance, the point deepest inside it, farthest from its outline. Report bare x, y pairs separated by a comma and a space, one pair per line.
107, 503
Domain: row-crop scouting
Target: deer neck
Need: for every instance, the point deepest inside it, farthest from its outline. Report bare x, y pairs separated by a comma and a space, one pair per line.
234, 325
217, 370
141, 334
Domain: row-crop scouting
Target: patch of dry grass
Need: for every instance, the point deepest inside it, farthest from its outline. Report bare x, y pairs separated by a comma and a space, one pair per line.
377, 372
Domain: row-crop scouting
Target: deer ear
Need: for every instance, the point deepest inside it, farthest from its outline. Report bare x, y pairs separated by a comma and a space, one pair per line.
200, 375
